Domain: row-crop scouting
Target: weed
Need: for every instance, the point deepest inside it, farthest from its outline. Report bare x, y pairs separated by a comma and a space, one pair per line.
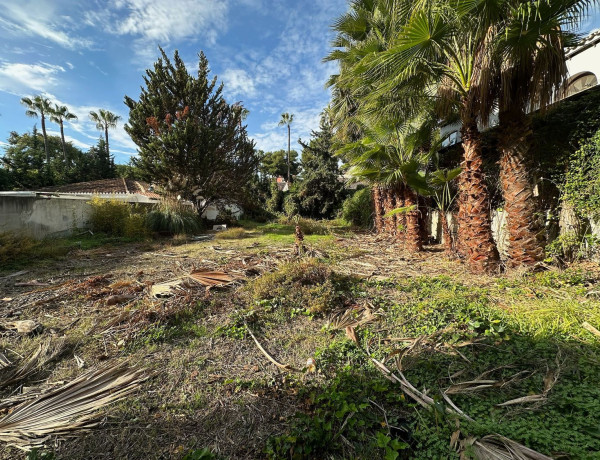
308, 285
364, 411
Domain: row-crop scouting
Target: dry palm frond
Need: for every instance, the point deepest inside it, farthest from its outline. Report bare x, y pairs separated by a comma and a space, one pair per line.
69, 408
206, 278
211, 278
497, 447
45, 353
353, 317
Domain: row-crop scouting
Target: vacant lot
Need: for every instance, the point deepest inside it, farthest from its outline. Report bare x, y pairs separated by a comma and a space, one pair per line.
509, 351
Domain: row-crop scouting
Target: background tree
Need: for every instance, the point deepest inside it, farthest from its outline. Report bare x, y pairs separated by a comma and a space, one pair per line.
104, 120
286, 120
319, 191
189, 137
25, 165
58, 115
39, 106
275, 164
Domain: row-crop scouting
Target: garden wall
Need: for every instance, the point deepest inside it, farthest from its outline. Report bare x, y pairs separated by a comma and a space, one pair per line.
40, 216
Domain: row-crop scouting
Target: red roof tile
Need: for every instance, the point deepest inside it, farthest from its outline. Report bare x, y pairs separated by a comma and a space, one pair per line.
106, 186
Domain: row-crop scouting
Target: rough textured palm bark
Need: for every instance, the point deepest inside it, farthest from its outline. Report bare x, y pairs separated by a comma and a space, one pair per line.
388, 205
400, 218
447, 234
475, 223
414, 243
423, 219
525, 233
378, 205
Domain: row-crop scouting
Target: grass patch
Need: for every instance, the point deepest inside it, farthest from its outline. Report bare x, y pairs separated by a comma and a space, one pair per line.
235, 233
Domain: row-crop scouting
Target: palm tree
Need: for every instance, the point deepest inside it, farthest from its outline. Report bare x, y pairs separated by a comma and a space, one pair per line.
440, 181
105, 119
530, 72
439, 55
392, 158
58, 115
286, 120
39, 106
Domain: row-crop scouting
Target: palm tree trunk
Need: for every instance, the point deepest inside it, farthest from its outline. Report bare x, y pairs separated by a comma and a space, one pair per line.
45, 138
423, 218
62, 137
377, 200
475, 223
400, 218
414, 243
288, 155
447, 235
525, 234
106, 139
388, 205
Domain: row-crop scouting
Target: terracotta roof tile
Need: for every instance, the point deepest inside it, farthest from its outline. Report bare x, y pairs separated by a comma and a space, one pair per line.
106, 186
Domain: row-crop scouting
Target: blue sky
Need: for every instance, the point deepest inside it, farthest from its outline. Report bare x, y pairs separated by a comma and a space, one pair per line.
89, 54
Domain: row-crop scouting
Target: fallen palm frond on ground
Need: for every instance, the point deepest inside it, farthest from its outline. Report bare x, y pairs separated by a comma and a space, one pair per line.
491, 447
354, 316
206, 278
69, 408
496, 447
44, 354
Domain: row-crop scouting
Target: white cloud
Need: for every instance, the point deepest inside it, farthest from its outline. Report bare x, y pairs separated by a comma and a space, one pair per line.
172, 20
18, 78
37, 18
238, 83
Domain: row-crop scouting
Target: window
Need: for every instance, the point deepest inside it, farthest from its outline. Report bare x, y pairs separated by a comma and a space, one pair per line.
581, 83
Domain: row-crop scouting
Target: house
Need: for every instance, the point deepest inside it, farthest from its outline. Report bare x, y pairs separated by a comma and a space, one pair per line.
583, 65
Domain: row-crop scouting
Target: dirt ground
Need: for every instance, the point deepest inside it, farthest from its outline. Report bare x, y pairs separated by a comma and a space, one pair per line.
209, 386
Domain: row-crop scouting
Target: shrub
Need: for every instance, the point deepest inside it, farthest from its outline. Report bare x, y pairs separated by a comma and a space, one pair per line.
118, 218
109, 216
232, 234
308, 285
357, 209
172, 218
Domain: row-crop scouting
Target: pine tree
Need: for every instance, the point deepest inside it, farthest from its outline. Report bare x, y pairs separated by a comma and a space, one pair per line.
320, 192
190, 140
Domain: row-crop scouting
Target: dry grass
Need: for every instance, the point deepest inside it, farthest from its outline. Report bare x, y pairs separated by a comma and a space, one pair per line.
213, 387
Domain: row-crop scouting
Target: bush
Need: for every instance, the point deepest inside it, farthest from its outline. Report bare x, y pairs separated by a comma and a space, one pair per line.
118, 218
109, 216
358, 209
172, 218
308, 285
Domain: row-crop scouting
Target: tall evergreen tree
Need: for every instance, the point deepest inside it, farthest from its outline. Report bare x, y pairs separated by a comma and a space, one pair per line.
190, 139
319, 193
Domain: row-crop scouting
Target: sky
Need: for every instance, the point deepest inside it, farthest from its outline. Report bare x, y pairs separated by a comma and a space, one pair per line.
90, 54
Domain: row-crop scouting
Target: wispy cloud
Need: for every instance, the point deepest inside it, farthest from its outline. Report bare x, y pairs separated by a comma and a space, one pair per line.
172, 20
18, 78
239, 83
38, 18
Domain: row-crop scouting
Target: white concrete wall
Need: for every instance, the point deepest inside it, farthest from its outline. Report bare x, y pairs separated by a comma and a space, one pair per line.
39, 217
586, 61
